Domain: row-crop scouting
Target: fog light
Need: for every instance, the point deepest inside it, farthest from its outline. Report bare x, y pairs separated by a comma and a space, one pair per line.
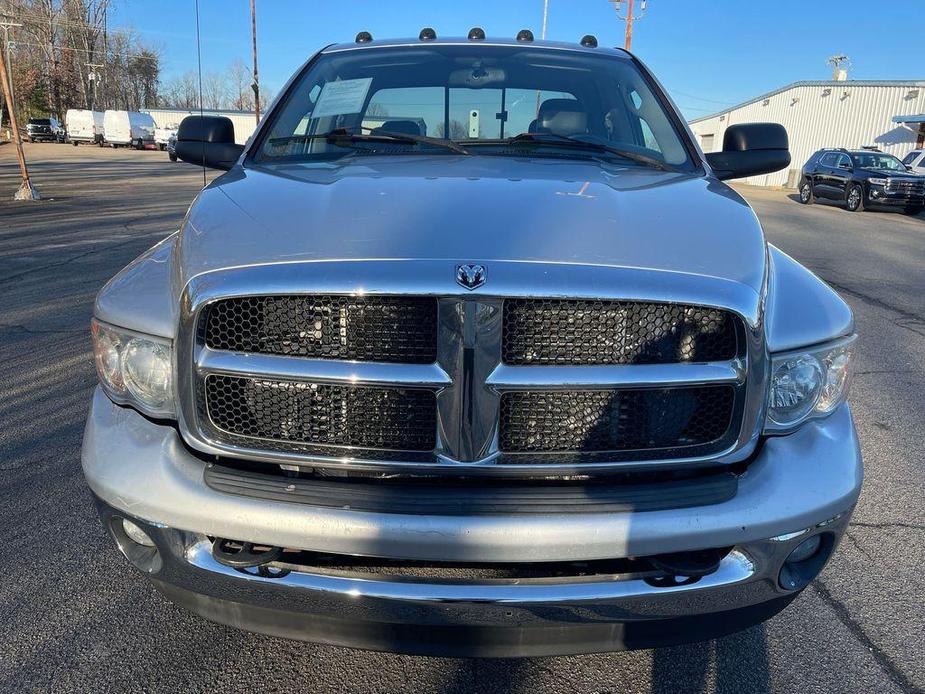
136, 534
805, 549
805, 562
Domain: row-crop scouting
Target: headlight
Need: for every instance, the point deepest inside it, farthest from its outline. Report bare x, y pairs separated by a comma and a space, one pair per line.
134, 369
878, 181
808, 383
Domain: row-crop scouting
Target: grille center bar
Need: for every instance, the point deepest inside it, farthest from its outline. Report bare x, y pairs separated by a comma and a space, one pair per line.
468, 349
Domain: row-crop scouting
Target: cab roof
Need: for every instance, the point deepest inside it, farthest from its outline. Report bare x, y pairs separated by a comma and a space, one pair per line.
488, 41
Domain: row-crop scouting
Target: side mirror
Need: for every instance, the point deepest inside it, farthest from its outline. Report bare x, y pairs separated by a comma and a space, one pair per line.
208, 141
750, 149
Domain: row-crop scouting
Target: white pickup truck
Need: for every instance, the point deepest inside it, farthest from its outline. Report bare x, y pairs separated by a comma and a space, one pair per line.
162, 135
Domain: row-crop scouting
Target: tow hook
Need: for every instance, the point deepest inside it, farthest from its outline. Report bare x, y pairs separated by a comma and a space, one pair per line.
243, 555
684, 568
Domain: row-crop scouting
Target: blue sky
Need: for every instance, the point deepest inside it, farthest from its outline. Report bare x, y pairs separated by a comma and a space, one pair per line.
709, 54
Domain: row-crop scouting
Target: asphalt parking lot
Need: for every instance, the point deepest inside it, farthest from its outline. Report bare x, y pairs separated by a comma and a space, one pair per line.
75, 617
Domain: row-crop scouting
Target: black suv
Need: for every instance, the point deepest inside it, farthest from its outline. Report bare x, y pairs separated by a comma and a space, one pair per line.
861, 178
49, 129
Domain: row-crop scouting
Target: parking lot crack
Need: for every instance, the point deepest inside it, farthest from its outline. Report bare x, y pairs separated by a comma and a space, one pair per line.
857, 545
907, 526
32, 331
910, 321
886, 663
71, 259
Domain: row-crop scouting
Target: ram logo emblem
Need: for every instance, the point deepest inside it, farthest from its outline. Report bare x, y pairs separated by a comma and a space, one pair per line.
470, 276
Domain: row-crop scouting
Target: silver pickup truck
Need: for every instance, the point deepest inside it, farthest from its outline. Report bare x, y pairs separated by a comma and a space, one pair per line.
472, 352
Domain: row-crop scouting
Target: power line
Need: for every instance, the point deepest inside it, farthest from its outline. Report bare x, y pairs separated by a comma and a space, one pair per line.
140, 56
700, 98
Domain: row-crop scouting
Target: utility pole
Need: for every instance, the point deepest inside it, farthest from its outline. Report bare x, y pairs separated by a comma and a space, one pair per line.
6, 26
94, 78
26, 190
837, 61
256, 84
629, 18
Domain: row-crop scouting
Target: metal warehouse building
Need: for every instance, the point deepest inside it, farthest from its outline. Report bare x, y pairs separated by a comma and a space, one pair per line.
887, 115
244, 121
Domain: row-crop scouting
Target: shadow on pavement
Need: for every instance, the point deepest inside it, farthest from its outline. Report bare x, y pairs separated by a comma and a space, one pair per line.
739, 663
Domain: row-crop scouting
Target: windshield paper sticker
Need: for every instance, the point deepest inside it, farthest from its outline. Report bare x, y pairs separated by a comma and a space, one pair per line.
344, 96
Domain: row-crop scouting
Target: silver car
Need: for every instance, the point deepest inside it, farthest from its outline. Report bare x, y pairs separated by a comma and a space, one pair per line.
472, 352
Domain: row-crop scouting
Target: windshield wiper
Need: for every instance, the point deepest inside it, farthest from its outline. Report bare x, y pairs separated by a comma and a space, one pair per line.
342, 137
565, 141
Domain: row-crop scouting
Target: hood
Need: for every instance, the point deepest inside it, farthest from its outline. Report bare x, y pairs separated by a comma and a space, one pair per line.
892, 173
474, 209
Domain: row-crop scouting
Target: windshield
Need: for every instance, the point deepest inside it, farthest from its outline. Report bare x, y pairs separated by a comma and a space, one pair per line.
399, 100
875, 160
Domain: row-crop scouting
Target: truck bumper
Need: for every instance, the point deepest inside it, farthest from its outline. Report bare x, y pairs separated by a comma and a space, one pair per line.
800, 485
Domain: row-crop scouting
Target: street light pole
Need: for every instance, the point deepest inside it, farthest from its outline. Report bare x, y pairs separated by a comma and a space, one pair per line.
256, 84
26, 190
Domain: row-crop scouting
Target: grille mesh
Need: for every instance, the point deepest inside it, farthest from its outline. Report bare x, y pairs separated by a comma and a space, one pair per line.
614, 420
386, 329
580, 332
332, 415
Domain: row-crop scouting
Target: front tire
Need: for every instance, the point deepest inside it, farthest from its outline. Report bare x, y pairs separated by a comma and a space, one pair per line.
855, 198
173, 156
806, 193
913, 210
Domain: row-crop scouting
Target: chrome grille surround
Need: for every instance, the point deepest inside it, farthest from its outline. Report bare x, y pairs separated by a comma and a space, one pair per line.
906, 186
468, 377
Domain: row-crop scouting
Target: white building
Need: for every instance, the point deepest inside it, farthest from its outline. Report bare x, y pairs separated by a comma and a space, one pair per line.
244, 121
887, 115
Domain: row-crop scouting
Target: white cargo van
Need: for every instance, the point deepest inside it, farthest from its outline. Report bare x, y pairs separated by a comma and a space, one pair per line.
83, 125
128, 128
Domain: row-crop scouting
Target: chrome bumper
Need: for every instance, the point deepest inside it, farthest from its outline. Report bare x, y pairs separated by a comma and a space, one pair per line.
794, 482
497, 618
799, 484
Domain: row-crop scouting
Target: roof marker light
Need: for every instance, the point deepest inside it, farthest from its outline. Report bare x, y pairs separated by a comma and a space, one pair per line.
476, 34
589, 41
427, 34
364, 37
524, 35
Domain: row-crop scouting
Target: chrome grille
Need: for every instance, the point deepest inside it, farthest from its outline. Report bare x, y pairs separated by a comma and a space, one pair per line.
299, 412
464, 383
616, 420
906, 186
386, 329
581, 332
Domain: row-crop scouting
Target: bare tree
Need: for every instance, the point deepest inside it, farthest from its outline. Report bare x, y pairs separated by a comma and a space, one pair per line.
62, 43
458, 131
181, 91
215, 91
242, 97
